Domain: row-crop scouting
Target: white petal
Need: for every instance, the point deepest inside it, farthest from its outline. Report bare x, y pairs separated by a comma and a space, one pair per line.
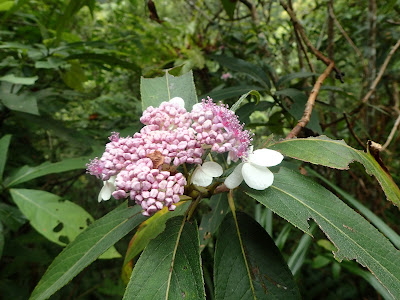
212, 169
106, 191
235, 178
200, 178
179, 101
258, 178
265, 157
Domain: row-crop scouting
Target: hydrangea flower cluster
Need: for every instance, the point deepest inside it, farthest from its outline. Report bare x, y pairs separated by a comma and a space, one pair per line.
144, 167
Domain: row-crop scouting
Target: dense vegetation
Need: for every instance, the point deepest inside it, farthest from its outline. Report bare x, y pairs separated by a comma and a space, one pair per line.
70, 74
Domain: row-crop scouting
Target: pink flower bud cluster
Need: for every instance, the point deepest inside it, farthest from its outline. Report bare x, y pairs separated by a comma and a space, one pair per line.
219, 127
145, 165
151, 188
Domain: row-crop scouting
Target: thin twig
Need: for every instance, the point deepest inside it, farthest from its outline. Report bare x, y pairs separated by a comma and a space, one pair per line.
392, 132
349, 40
310, 102
380, 74
300, 29
396, 109
353, 133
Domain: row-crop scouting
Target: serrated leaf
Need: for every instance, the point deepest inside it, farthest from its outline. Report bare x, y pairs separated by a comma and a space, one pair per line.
292, 76
298, 106
25, 102
170, 266
4, 144
337, 154
240, 65
253, 269
58, 220
152, 227
87, 246
19, 80
27, 173
211, 221
297, 199
160, 89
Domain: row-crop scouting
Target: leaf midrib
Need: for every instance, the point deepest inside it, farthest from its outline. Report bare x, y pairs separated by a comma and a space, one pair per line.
344, 234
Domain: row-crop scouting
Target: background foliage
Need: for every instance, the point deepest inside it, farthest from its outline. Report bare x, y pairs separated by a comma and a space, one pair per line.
70, 74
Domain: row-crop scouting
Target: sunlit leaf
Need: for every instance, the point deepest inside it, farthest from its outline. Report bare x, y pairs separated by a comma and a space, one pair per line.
58, 220
160, 89
297, 199
170, 266
87, 247
337, 154
250, 268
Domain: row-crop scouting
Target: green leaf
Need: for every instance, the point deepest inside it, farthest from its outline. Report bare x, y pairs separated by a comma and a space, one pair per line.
74, 77
229, 6
297, 199
88, 246
25, 102
4, 143
160, 89
152, 227
298, 106
50, 63
170, 266
243, 97
374, 219
230, 92
27, 173
245, 111
211, 221
292, 76
253, 268
19, 80
58, 220
240, 65
11, 216
337, 154
6, 5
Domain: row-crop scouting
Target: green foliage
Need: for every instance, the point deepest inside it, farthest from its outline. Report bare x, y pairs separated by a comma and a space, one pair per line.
260, 270
170, 266
71, 72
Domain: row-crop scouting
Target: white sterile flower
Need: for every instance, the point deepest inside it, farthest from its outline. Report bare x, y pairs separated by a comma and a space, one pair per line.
203, 175
107, 189
179, 101
254, 170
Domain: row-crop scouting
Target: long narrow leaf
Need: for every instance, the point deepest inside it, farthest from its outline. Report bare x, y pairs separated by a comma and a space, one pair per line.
170, 266
88, 246
297, 199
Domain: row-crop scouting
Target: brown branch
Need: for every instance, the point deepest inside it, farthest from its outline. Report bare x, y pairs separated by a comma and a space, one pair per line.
297, 26
392, 132
380, 74
396, 109
349, 40
310, 102
353, 133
